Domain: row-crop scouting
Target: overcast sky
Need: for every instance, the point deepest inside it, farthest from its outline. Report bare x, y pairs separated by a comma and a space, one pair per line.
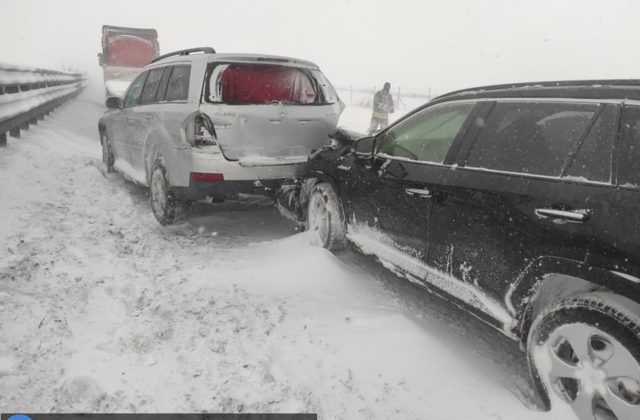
444, 44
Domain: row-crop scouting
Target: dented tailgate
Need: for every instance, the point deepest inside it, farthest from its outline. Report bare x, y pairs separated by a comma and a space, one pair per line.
266, 115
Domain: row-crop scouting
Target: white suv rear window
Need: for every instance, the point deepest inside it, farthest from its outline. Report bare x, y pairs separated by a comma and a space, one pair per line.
242, 84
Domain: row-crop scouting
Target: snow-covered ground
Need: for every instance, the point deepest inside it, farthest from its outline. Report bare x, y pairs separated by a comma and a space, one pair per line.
233, 310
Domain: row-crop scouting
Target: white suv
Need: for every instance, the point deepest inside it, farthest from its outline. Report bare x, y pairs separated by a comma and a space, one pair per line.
195, 124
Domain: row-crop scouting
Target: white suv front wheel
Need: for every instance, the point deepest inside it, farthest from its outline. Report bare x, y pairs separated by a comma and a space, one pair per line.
108, 158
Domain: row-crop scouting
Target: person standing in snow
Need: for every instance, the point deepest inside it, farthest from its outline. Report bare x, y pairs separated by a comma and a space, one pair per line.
382, 106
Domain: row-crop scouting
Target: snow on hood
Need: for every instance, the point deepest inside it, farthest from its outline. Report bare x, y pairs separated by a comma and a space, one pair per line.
117, 87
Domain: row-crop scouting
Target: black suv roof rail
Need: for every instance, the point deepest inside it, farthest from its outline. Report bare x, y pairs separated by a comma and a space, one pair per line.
597, 83
204, 50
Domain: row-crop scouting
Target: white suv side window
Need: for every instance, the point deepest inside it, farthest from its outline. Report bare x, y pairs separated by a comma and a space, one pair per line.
178, 86
135, 89
151, 86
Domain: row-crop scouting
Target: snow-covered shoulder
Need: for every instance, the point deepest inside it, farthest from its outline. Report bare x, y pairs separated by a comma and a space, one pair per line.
372, 241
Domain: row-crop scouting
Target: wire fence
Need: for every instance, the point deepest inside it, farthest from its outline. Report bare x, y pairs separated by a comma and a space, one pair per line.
404, 98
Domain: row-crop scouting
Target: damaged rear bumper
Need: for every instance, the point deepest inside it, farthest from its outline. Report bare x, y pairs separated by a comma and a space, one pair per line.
201, 189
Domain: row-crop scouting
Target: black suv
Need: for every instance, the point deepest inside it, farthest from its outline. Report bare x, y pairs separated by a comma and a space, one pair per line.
520, 203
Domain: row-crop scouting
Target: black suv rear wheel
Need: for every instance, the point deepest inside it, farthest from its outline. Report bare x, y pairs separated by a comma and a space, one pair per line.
585, 352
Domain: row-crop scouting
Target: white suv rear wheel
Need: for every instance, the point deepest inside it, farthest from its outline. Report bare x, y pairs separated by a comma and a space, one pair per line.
163, 202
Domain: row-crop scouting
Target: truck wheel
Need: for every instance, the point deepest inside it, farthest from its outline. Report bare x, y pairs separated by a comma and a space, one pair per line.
163, 202
108, 159
585, 352
324, 217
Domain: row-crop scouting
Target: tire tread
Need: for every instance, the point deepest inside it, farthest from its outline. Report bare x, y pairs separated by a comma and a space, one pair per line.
337, 239
594, 304
173, 207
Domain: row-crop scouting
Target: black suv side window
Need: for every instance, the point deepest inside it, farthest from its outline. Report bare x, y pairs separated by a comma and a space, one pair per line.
151, 86
529, 137
592, 159
133, 93
178, 87
427, 135
629, 164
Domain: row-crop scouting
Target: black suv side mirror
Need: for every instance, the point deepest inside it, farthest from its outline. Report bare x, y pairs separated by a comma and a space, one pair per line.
113, 102
363, 148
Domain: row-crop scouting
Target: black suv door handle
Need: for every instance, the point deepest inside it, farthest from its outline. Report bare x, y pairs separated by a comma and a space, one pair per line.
577, 216
418, 192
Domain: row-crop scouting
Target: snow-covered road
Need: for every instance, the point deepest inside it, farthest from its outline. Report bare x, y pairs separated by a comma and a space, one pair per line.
102, 309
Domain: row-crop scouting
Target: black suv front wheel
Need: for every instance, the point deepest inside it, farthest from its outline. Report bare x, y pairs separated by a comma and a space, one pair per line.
585, 352
324, 217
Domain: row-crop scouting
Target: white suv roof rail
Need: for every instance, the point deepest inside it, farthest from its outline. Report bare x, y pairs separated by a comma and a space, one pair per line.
204, 50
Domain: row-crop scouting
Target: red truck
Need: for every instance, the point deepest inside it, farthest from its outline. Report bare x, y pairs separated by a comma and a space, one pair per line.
125, 51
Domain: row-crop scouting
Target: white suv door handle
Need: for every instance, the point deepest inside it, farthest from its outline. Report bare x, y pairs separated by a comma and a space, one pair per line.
418, 192
577, 216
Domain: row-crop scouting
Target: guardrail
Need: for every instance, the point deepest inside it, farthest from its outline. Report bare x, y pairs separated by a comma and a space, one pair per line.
28, 94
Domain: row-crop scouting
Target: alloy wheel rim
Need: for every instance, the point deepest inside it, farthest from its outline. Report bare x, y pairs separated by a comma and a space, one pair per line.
158, 192
594, 373
319, 217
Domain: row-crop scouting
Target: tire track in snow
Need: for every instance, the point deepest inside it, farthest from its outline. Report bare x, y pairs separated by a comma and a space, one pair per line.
83, 245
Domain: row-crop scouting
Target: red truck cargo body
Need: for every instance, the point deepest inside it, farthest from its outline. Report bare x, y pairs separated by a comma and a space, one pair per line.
125, 51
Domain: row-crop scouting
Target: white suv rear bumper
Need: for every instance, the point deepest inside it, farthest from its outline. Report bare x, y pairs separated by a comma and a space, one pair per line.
234, 176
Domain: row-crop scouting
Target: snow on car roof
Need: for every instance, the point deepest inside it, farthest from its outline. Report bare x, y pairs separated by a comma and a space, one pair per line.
577, 89
238, 57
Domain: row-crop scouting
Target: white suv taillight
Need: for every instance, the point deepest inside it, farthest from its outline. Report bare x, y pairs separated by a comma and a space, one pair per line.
199, 130
202, 135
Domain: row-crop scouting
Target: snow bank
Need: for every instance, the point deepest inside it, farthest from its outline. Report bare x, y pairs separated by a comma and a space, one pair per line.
371, 241
12, 74
18, 103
